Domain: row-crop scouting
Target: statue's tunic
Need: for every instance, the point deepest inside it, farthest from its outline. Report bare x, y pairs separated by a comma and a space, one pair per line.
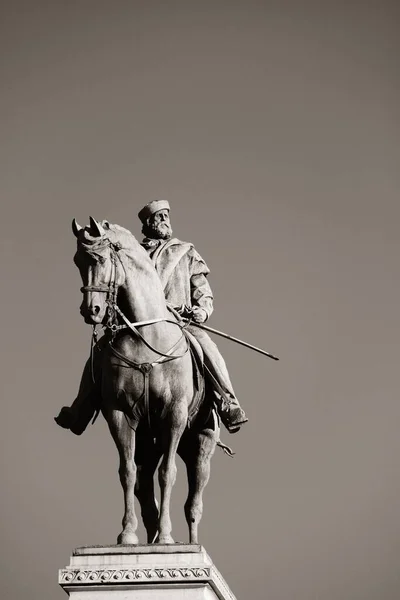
183, 273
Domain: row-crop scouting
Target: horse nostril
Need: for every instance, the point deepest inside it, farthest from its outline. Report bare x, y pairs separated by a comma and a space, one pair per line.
96, 309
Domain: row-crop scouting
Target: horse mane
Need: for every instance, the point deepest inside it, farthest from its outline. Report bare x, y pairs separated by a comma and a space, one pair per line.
119, 236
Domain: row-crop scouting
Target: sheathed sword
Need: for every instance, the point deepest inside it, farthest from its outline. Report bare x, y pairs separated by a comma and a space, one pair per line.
232, 338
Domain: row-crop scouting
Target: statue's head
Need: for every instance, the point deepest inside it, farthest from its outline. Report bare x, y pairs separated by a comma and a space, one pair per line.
156, 221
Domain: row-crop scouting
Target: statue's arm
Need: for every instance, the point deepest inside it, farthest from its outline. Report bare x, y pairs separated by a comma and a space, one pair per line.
200, 289
201, 294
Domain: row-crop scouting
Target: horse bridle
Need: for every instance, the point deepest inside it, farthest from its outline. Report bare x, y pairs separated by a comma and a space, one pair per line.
111, 289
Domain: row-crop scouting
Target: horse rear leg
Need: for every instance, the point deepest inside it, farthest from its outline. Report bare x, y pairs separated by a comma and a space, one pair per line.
196, 453
167, 470
124, 437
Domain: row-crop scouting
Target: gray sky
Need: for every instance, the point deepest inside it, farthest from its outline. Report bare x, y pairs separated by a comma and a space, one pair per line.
272, 128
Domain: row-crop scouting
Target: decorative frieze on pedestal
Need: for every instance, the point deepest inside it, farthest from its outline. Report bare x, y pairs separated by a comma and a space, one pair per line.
150, 572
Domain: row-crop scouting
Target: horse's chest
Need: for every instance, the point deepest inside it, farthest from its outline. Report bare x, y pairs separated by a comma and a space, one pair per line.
131, 386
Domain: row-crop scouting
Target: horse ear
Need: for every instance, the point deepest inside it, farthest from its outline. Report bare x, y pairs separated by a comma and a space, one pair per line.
76, 228
96, 228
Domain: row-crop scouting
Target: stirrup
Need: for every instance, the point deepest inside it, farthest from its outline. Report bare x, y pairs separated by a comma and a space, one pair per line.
236, 426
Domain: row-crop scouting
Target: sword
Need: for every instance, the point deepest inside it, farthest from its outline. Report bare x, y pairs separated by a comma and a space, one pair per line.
233, 339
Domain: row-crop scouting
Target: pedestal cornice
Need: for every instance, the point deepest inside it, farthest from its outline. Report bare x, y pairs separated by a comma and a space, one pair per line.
153, 566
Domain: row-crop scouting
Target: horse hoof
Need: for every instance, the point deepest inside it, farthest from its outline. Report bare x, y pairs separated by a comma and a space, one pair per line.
165, 539
127, 538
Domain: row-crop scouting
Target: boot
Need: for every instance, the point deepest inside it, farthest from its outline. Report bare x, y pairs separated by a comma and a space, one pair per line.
231, 413
78, 416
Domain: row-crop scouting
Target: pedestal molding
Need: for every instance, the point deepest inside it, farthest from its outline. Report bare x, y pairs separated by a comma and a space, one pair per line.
106, 570
106, 575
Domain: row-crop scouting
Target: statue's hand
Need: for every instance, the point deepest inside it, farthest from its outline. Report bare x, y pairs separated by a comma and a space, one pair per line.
199, 314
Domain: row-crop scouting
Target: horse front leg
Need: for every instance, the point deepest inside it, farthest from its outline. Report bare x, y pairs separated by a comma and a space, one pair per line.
147, 458
167, 472
124, 437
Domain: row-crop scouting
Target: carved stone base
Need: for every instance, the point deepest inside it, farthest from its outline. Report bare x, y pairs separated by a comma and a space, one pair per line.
150, 572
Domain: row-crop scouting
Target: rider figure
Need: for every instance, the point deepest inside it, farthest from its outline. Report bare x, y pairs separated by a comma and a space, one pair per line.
183, 274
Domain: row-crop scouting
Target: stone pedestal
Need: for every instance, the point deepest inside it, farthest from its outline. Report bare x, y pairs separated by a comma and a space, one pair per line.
150, 572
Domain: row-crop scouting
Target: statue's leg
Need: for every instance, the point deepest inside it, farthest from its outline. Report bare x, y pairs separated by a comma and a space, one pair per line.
196, 451
231, 413
147, 458
124, 438
173, 427
78, 416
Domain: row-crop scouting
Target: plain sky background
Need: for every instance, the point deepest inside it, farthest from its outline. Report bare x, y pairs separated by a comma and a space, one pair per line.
273, 129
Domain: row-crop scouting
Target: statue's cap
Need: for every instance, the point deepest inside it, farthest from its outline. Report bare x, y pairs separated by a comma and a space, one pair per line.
151, 208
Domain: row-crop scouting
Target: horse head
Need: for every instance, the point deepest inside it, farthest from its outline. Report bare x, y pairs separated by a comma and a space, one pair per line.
100, 268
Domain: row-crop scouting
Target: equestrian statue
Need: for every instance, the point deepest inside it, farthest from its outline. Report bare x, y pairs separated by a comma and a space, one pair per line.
156, 375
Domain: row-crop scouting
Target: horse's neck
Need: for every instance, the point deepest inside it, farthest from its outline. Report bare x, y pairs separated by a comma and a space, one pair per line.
143, 294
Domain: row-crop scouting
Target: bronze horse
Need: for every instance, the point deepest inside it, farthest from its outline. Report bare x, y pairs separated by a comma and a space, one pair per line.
147, 381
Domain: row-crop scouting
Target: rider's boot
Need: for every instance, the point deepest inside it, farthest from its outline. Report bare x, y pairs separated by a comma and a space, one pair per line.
229, 410
78, 416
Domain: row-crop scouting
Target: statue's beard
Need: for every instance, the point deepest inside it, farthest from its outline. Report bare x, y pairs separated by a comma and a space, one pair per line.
161, 231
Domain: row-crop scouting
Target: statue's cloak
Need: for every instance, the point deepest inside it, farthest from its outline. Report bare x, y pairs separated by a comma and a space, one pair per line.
183, 273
